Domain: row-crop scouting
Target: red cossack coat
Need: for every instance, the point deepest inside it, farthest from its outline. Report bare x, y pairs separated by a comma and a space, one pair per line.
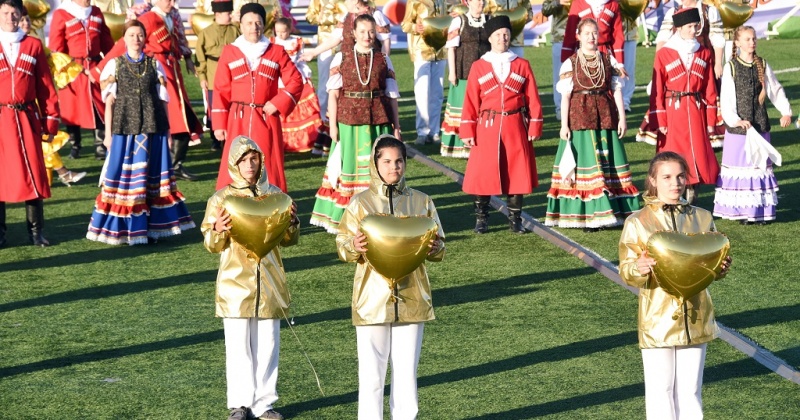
502, 160
686, 118
239, 98
611, 38
27, 85
85, 44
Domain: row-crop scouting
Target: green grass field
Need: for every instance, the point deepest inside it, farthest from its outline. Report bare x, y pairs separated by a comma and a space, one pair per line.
523, 329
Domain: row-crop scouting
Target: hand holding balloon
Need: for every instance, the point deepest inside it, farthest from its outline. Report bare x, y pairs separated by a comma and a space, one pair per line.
360, 243
726, 265
644, 264
223, 222
436, 245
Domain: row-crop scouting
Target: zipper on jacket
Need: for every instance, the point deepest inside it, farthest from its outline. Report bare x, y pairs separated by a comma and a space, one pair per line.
396, 304
686, 322
258, 289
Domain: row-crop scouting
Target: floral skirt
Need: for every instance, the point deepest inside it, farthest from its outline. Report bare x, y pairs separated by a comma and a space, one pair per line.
452, 146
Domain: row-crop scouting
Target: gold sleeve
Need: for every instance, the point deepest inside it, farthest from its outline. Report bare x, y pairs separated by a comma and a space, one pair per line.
435, 216
630, 249
215, 242
348, 228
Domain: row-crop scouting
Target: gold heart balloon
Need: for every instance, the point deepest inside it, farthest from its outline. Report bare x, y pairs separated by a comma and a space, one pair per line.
258, 223
116, 24
200, 21
37, 8
687, 263
631, 9
733, 13
434, 31
460, 9
518, 17
396, 246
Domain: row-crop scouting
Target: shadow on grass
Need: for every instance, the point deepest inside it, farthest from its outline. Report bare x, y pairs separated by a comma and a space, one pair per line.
554, 354
60, 362
109, 290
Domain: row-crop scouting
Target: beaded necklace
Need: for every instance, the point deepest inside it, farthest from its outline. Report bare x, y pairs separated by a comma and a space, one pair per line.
593, 68
130, 60
358, 68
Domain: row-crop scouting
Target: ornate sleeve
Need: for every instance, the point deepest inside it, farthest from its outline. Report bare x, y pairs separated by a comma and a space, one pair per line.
454, 33
335, 78
565, 84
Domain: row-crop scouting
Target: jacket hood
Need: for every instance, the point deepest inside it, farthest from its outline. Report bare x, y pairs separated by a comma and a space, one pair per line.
239, 147
376, 183
650, 200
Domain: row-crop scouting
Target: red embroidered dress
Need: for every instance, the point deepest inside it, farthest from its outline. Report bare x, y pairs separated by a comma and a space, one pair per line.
239, 97
502, 160
28, 109
84, 43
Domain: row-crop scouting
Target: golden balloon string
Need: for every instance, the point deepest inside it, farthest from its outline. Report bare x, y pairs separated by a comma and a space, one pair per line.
302, 349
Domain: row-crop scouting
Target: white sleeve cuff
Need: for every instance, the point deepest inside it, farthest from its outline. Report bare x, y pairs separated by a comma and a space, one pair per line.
392, 90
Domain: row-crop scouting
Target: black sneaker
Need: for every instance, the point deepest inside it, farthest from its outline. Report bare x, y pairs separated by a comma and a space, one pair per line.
239, 413
75, 153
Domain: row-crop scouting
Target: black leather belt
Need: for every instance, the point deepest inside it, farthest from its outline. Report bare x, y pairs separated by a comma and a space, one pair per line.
212, 58
675, 94
493, 112
364, 95
17, 107
250, 104
590, 92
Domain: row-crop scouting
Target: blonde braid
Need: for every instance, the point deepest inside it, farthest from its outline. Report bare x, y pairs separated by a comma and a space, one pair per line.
760, 66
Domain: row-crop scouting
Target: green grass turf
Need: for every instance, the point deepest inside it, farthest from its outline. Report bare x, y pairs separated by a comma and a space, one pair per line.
523, 330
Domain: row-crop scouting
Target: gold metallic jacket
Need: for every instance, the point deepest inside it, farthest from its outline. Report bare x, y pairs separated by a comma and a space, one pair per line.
631, 29
246, 288
416, 11
326, 15
372, 297
657, 328
559, 23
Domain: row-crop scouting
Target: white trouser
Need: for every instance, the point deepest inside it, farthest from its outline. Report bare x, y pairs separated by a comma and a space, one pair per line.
556, 76
673, 382
251, 362
429, 93
630, 68
323, 71
376, 344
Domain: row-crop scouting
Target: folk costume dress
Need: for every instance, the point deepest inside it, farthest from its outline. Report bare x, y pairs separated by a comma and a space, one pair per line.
470, 41
81, 33
28, 109
501, 111
366, 83
684, 100
611, 38
248, 76
711, 36
139, 198
596, 190
302, 127
746, 188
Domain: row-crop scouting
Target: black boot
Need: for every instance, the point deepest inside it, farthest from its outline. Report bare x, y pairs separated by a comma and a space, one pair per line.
482, 213
2, 224
99, 149
74, 132
180, 145
514, 204
34, 212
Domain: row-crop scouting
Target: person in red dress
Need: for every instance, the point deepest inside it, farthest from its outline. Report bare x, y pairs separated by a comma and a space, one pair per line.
248, 98
164, 44
79, 30
502, 116
28, 111
683, 101
611, 38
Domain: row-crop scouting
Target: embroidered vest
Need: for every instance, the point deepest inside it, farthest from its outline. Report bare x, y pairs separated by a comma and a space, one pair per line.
364, 111
592, 111
474, 44
748, 87
137, 109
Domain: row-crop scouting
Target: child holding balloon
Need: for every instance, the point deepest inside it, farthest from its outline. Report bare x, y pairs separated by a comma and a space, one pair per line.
673, 337
251, 295
389, 321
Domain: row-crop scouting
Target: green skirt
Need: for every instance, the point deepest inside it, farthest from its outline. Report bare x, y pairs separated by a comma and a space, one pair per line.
603, 194
355, 144
451, 142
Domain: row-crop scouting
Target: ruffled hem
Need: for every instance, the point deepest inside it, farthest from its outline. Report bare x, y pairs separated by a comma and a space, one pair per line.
746, 199
597, 222
112, 240
454, 152
735, 172
320, 220
557, 191
334, 196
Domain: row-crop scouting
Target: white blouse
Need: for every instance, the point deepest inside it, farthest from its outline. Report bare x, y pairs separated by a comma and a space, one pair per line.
111, 69
335, 81
727, 96
565, 86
